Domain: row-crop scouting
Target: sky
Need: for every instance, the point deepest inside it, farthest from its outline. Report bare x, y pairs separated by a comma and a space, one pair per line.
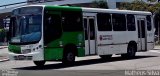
4, 2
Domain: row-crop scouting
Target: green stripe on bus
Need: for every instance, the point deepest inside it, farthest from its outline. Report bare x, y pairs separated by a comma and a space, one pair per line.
14, 48
63, 8
53, 53
66, 38
81, 52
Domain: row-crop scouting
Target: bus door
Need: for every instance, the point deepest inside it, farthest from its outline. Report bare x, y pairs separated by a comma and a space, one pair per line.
89, 28
142, 33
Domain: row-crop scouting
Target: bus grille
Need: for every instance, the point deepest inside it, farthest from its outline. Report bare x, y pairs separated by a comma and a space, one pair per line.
23, 57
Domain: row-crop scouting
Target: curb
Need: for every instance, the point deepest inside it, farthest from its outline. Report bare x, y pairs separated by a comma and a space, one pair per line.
3, 60
3, 47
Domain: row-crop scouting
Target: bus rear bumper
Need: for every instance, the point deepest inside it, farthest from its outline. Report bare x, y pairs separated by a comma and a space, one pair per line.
35, 56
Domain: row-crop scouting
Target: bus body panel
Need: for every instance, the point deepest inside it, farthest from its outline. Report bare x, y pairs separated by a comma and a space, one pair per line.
104, 43
114, 43
27, 52
55, 49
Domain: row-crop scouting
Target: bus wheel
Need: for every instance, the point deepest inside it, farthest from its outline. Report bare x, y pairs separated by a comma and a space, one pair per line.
68, 58
39, 63
104, 57
131, 52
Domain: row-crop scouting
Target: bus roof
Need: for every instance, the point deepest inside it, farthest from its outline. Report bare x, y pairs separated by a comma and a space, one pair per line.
29, 6
94, 10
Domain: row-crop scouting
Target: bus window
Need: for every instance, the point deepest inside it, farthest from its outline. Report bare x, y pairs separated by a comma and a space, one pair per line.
119, 22
72, 21
149, 27
85, 28
104, 22
131, 22
92, 29
143, 28
52, 27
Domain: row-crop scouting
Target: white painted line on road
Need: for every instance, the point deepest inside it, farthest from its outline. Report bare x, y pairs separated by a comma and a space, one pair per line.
7, 59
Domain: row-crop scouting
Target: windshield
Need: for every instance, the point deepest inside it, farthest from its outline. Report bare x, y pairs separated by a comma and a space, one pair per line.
26, 28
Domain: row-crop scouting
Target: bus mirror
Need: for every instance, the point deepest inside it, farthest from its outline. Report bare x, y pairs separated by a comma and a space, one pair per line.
7, 22
8, 26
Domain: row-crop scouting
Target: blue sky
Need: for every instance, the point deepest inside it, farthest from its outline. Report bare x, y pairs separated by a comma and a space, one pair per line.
3, 2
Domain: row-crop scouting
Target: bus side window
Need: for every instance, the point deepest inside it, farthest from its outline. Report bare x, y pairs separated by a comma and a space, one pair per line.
85, 28
72, 21
149, 27
52, 27
104, 22
119, 22
131, 22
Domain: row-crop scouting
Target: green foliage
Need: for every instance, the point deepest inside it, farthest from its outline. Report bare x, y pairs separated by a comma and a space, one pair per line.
140, 6
152, 0
100, 4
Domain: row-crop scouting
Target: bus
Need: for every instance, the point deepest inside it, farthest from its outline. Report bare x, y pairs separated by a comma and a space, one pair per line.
43, 33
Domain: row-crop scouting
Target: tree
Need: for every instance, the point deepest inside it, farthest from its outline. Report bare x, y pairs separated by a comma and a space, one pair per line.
140, 6
151, 0
135, 5
100, 4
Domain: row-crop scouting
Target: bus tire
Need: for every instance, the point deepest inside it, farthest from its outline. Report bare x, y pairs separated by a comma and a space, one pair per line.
105, 57
131, 52
39, 63
69, 56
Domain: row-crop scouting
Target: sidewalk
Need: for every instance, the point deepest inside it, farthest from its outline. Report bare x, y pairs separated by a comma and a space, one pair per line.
3, 53
4, 58
157, 47
2, 47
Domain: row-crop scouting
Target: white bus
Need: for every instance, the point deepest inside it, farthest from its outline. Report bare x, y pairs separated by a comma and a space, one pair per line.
43, 33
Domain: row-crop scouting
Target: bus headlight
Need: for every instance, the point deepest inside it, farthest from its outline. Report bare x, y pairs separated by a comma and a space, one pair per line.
37, 48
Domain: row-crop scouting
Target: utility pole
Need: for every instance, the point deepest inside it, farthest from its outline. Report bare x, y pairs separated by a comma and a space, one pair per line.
158, 31
111, 4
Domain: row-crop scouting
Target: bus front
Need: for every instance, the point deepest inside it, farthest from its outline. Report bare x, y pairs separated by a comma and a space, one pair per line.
25, 33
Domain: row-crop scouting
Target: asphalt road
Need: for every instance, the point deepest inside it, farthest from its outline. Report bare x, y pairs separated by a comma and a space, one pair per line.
85, 66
